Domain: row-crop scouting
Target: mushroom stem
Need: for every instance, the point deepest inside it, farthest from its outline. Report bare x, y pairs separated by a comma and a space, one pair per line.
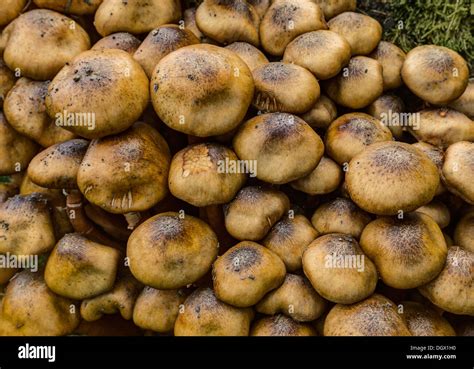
82, 224
133, 219
112, 224
214, 216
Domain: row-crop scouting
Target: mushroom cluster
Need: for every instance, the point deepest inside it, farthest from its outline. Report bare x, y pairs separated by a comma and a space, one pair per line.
231, 168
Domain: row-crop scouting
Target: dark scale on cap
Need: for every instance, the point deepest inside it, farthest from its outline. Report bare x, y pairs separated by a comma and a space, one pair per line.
283, 230
243, 258
342, 205
250, 194
439, 61
279, 126
362, 128
406, 235
283, 15
71, 148
395, 159
357, 68
341, 244
281, 325
167, 227
376, 318
239, 6
275, 72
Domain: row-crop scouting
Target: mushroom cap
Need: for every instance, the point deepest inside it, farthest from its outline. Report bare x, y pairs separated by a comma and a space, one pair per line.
202, 90
26, 226
332, 8
40, 42
358, 85
324, 53
253, 211
361, 31
205, 315
436, 155
375, 316
321, 114
25, 109
422, 320
340, 215
170, 251
284, 146
189, 16
289, 238
389, 109
204, 175
126, 172
464, 232
57, 166
228, 21
16, 150
137, 16
77, 7
246, 273
391, 57
252, 56
260, 6
9, 185
338, 269
7, 81
78, 268
161, 42
465, 103
157, 310
287, 19
438, 211
281, 325
284, 87
99, 93
408, 252
389, 177
458, 170
295, 298
121, 40
30, 308
324, 179
441, 127
350, 134
453, 289
10, 10
436, 74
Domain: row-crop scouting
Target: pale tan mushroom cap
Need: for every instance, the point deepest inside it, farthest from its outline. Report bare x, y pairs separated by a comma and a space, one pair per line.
458, 170
252, 56
281, 325
392, 58
121, 40
464, 232
10, 10
77, 7
7, 81
465, 102
422, 320
321, 114
324, 179
390, 109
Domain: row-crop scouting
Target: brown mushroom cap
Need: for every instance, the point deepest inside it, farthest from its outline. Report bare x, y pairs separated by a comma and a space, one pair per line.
452, 290
16, 150
361, 31
389, 109
252, 56
422, 320
284, 87
321, 114
464, 232
7, 81
438, 211
158, 310
284, 146
338, 269
202, 175
324, 179
281, 325
25, 109
437, 157
389, 177
261, 6
10, 10
436, 74
332, 8
375, 316
9, 185
57, 166
465, 102
391, 57
127, 172
246, 273
322, 52
159, 43
30, 308
189, 16
202, 90
26, 226
340, 215
78, 268
358, 85
295, 298
5, 275
170, 251
54, 41
458, 170
205, 315
137, 16
228, 21
351, 133
287, 19
441, 127
121, 40
408, 252
77, 7
79, 89
289, 238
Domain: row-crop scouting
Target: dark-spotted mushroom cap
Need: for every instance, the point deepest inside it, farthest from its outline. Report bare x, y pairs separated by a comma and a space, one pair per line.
281, 325
331, 8
389, 177
321, 114
252, 56
464, 231
389, 109
438, 211
465, 102
121, 40
458, 170
423, 320
437, 157
76, 7
324, 179
392, 58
